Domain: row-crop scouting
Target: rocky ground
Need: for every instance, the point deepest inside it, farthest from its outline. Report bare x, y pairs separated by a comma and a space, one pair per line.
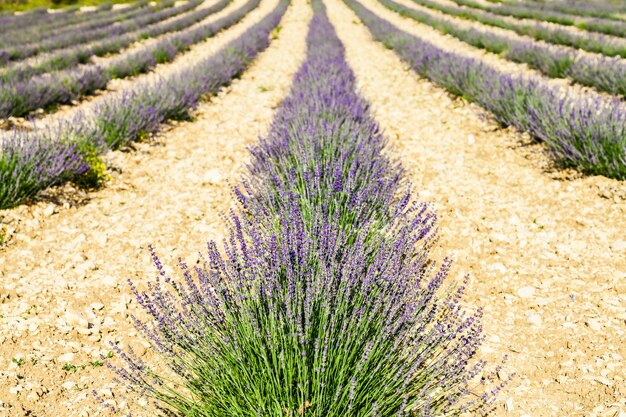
545, 247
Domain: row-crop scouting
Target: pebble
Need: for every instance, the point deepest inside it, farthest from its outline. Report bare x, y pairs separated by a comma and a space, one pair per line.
68, 385
535, 320
526, 292
213, 176
66, 357
594, 324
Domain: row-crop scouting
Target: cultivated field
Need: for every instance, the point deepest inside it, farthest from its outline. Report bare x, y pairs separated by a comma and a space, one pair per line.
418, 209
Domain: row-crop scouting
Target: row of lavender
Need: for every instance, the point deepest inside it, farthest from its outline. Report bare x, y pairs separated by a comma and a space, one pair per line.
326, 302
31, 34
69, 58
615, 27
583, 130
115, 32
594, 70
32, 161
588, 41
41, 17
579, 8
18, 98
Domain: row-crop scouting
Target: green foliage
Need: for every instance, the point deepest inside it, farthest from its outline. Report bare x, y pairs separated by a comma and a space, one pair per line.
97, 174
3, 235
68, 367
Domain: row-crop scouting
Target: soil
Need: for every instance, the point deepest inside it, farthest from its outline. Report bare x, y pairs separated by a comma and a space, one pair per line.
546, 248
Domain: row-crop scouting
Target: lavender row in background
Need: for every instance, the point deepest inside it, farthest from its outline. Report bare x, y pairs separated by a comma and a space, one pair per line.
585, 131
37, 34
20, 98
599, 71
324, 293
580, 8
112, 32
47, 20
588, 41
68, 58
139, 111
601, 25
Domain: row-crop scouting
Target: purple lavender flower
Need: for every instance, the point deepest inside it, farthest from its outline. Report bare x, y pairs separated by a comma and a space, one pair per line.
324, 301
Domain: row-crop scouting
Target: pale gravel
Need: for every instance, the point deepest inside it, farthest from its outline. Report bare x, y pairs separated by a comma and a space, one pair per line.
546, 250
73, 263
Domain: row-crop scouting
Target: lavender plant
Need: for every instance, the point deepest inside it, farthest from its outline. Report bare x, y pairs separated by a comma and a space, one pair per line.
586, 130
600, 72
30, 163
311, 310
173, 97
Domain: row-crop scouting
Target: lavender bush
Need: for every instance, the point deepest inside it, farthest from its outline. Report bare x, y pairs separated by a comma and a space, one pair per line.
173, 97
586, 131
601, 72
30, 163
325, 302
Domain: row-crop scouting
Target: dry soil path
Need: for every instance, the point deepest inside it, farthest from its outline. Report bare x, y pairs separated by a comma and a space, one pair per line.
547, 254
63, 291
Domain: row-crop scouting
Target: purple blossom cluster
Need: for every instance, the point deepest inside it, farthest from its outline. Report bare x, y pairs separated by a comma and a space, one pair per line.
324, 300
140, 109
21, 97
585, 130
30, 162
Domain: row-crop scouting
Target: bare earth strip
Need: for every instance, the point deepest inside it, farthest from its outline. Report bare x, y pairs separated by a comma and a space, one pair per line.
63, 293
546, 253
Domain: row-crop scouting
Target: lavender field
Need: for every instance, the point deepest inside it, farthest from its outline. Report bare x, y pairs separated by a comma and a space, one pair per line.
313, 208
